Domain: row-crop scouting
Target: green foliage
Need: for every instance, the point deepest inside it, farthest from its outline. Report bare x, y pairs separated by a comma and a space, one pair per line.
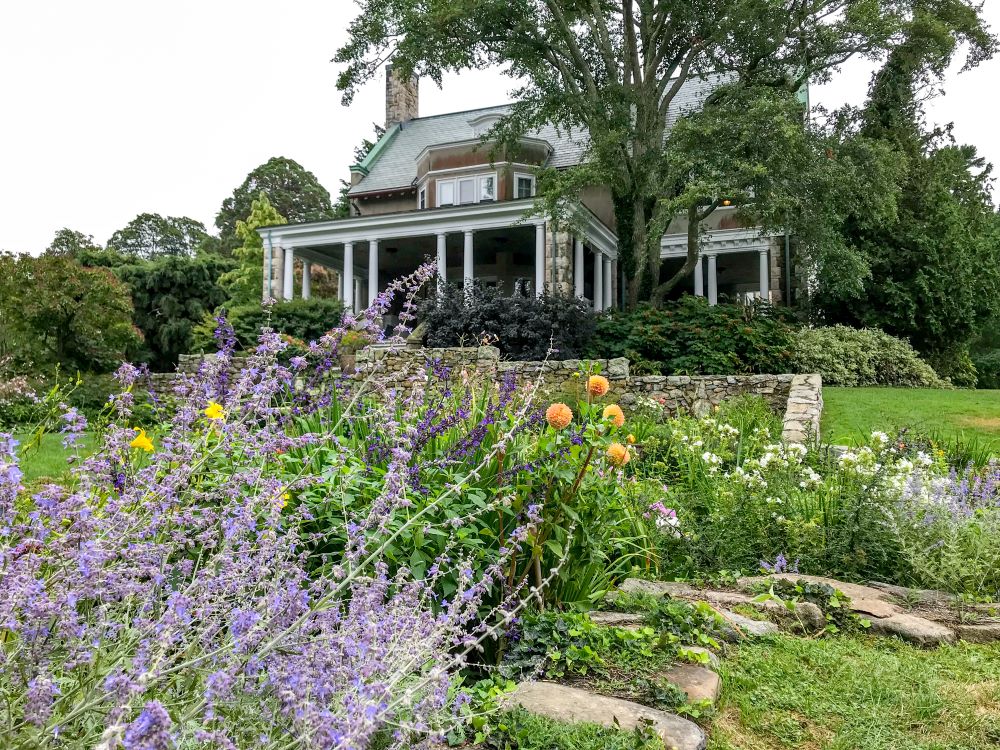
304, 320
861, 357
292, 191
245, 283
987, 366
523, 327
53, 312
691, 337
69, 242
171, 295
151, 235
519, 730
933, 270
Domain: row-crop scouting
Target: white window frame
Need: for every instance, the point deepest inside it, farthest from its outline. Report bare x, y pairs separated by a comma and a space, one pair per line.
422, 198
524, 176
477, 192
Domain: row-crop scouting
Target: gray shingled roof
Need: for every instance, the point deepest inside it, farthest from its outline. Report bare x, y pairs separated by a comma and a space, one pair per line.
397, 166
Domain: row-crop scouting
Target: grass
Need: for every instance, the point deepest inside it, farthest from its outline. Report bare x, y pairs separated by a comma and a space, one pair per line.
46, 460
966, 416
858, 693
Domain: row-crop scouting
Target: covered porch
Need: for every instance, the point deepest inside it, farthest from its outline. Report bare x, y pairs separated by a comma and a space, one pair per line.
499, 244
740, 263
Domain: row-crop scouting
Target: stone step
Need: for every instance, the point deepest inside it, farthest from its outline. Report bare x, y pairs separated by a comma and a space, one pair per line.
627, 620
864, 599
916, 630
979, 633
573, 705
747, 626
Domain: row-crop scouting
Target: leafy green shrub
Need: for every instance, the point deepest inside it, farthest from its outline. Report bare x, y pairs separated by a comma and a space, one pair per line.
862, 357
987, 368
521, 326
689, 336
302, 319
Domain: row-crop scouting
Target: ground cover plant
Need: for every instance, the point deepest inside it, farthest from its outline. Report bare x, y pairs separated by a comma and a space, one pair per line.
966, 416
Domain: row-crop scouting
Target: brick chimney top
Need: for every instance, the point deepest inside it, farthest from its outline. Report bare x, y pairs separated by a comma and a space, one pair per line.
402, 98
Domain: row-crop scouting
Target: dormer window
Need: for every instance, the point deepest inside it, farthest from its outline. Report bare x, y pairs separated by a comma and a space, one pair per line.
481, 125
524, 186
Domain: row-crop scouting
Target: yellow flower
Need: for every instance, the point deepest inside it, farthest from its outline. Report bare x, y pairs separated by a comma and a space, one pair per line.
615, 414
142, 441
285, 497
597, 385
630, 439
214, 411
618, 454
558, 415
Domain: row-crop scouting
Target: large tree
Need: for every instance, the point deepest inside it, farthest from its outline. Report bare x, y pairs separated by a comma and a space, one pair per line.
71, 243
151, 236
615, 68
932, 274
290, 188
245, 283
64, 314
171, 295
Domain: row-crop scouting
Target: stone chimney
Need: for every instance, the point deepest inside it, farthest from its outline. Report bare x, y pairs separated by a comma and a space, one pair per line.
402, 98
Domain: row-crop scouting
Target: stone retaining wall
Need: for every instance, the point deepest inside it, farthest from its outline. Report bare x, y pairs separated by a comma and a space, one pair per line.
797, 397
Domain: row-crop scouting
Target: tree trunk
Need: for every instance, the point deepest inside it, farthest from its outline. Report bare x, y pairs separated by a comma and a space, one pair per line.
660, 291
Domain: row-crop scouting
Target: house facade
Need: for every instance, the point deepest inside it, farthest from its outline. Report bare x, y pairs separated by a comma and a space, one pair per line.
430, 188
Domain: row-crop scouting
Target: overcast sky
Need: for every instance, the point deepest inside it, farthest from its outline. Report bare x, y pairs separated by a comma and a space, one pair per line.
111, 108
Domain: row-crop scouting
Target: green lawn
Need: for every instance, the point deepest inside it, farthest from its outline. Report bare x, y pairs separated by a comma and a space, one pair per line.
858, 693
969, 416
47, 459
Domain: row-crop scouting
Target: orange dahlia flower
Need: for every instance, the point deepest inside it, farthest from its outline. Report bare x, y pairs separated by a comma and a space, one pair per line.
615, 414
618, 454
558, 415
597, 385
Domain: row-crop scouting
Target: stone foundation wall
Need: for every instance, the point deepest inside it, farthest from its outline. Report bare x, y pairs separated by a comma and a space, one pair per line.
797, 397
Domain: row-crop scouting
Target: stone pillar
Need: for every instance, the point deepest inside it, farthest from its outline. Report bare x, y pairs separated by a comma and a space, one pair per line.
288, 279
713, 280
539, 258
598, 282
372, 271
277, 272
699, 278
442, 261
764, 273
607, 301
306, 279
578, 268
348, 277
468, 262
267, 271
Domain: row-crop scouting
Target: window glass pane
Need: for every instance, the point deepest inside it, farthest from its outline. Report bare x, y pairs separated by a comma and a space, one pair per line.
446, 193
423, 199
524, 185
487, 188
467, 191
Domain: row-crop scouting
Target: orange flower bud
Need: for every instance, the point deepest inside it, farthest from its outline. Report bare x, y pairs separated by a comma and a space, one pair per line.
618, 454
615, 414
597, 385
558, 415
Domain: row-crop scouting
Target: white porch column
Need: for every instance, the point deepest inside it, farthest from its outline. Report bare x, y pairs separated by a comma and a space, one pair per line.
699, 278
607, 300
539, 258
468, 262
372, 271
578, 268
359, 292
765, 281
289, 274
348, 277
713, 280
306, 279
442, 261
598, 283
